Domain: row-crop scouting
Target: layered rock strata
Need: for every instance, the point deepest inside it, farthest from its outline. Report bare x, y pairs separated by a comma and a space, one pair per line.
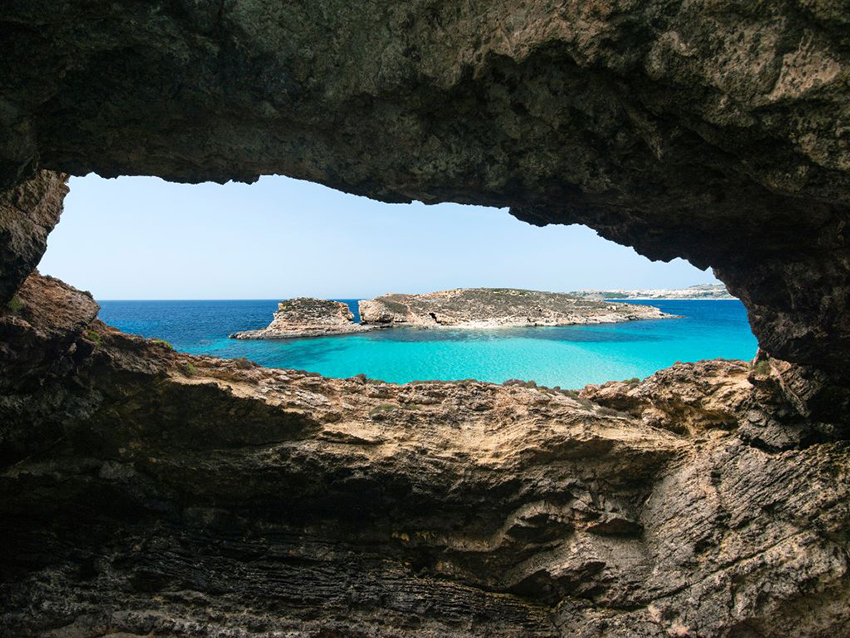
497, 308
306, 317
189, 496
717, 132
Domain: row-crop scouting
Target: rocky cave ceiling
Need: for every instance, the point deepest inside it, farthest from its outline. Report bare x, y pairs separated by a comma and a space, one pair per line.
719, 133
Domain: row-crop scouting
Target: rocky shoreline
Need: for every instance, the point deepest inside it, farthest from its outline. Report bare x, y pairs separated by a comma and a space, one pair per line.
475, 308
498, 308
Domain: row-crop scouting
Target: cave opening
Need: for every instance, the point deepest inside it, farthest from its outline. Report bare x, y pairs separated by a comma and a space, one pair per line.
146, 491
169, 261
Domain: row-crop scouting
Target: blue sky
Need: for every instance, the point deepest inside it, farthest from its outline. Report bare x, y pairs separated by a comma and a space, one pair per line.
144, 238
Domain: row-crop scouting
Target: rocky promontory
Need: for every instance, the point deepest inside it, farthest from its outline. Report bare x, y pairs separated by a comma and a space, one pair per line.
497, 308
306, 317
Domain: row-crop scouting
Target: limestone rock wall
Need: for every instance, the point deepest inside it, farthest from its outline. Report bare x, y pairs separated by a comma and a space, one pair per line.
28, 213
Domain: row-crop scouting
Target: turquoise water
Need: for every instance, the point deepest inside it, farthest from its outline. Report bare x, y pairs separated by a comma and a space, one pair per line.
569, 357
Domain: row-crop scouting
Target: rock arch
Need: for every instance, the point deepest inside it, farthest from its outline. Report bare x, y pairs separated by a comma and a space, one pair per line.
140, 496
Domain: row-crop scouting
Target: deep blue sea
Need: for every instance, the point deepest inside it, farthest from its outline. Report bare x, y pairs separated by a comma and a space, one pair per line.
570, 357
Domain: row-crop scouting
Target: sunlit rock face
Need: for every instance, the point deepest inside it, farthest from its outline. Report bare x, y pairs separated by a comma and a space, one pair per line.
496, 307
147, 492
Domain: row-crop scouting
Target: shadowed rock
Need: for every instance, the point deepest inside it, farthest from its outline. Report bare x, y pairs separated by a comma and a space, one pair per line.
28, 213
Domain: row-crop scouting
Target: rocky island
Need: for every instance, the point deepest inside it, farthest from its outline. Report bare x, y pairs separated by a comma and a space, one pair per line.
459, 308
306, 317
497, 308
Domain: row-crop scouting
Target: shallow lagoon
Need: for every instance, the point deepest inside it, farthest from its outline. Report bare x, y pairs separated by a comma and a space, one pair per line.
569, 357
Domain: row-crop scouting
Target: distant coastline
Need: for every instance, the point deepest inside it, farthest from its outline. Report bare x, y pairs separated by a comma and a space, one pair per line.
692, 293
729, 298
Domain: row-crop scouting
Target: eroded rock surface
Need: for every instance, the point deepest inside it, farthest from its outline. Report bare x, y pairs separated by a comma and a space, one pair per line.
28, 213
717, 132
687, 398
306, 317
497, 308
39, 348
192, 496
146, 492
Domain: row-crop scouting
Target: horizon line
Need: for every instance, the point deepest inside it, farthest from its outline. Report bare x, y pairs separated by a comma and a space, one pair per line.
608, 289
